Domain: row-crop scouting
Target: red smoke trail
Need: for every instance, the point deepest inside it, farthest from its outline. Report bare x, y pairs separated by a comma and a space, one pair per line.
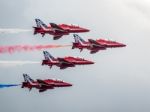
19, 48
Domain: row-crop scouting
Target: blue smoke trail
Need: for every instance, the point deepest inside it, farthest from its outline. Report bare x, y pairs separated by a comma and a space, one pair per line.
8, 85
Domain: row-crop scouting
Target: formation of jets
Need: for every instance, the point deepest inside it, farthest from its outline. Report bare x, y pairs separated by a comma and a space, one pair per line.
59, 30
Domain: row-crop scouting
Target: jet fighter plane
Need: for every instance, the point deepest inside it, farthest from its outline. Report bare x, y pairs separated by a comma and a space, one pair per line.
94, 45
65, 62
57, 30
43, 85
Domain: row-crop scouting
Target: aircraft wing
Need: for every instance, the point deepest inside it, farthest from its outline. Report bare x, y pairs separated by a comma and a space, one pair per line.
63, 60
64, 63
93, 51
44, 85
42, 90
95, 44
63, 67
57, 28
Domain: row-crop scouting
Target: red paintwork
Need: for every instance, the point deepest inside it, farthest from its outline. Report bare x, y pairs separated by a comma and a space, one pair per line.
70, 62
78, 61
86, 45
73, 28
50, 63
102, 42
67, 29
109, 43
49, 84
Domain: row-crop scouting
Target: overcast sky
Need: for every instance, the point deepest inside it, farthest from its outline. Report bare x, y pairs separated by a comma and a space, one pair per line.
119, 81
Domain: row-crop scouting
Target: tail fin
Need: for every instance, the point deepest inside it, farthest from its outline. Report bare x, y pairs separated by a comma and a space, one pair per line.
48, 56
79, 38
40, 23
77, 42
27, 78
76, 38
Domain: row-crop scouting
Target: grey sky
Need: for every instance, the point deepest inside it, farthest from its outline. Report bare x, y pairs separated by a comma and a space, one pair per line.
117, 82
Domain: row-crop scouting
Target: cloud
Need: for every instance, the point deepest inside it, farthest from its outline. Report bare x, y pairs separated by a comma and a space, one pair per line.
142, 7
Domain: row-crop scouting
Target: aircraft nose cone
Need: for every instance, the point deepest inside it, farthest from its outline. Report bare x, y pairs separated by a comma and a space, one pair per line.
68, 84
90, 62
86, 30
123, 45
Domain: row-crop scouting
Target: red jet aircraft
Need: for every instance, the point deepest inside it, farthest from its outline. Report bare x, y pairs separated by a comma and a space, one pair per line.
57, 30
94, 45
86, 45
43, 85
65, 62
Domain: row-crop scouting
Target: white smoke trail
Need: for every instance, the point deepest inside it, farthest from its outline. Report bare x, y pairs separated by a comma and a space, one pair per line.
16, 63
11, 30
